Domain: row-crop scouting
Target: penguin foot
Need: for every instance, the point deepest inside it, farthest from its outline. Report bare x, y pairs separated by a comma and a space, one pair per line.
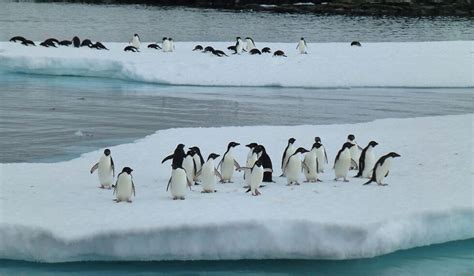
129, 201
261, 186
345, 180
383, 184
196, 183
335, 179
319, 180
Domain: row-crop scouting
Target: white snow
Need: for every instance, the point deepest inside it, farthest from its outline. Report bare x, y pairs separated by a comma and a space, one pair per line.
408, 64
56, 212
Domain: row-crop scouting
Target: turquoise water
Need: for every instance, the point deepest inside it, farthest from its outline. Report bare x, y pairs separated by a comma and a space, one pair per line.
454, 258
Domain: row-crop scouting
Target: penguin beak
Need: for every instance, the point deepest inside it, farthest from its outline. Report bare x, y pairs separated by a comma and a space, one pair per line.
396, 155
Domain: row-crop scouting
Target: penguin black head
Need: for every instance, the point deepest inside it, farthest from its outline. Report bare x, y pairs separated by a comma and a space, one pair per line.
237, 38
261, 148
195, 149
135, 35
393, 154
164, 38
107, 152
190, 152
317, 139
291, 140
251, 145
347, 145
170, 39
351, 137
232, 144
373, 143
258, 149
213, 156
127, 170
302, 38
180, 146
316, 145
301, 150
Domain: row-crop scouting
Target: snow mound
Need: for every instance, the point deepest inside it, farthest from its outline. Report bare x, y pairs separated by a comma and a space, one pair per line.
410, 64
56, 213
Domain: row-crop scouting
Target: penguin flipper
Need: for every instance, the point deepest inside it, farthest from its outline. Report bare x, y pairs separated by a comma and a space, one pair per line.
189, 183
198, 173
325, 155
368, 182
218, 174
133, 188
305, 166
167, 158
236, 164
113, 166
95, 167
387, 173
169, 183
354, 164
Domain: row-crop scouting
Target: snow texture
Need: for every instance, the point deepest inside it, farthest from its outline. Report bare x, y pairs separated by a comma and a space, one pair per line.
56, 212
410, 64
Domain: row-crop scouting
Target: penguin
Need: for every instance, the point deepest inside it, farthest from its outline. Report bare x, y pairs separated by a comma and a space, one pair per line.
249, 44
198, 160
47, 45
219, 53
171, 44
367, 160
65, 43
86, 43
355, 151
320, 155
177, 183
106, 170
302, 46
27, 42
130, 49
279, 53
310, 164
293, 167
232, 48
208, 49
208, 174
124, 187
356, 43
343, 161
154, 46
255, 51
249, 164
239, 46
177, 157
289, 150
266, 50
251, 147
189, 165
382, 168
17, 38
166, 45
256, 177
266, 163
52, 41
197, 48
99, 46
228, 163
76, 41
135, 42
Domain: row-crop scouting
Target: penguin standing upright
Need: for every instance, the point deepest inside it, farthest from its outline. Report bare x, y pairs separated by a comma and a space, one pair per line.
106, 170
249, 44
289, 150
228, 163
124, 187
171, 41
266, 163
293, 166
209, 174
256, 177
355, 151
177, 156
343, 161
310, 165
135, 42
178, 182
76, 42
302, 46
367, 161
249, 164
198, 159
189, 165
166, 45
239, 46
382, 168
320, 155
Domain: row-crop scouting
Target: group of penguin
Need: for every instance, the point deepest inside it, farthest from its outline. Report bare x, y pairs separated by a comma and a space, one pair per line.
167, 45
53, 42
189, 168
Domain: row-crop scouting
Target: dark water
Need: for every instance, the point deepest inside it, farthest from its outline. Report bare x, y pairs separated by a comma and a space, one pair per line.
454, 258
38, 21
51, 118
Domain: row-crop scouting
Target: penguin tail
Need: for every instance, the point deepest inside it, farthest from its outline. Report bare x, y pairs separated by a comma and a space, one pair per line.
368, 182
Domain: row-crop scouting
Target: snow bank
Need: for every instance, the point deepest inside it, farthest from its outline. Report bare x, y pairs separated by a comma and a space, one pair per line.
56, 213
411, 64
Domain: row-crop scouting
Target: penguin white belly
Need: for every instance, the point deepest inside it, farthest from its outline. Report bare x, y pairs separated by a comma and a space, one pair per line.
301, 47
289, 151
382, 171
124, 187
343, 164
310, 161
208, 177
256, 178
239, 48
293, 169
188, 166
321, 159
178, 183
249, 46
355, 154
227, 167
249, 164
135, 42
369, 164
166, 46
105, 172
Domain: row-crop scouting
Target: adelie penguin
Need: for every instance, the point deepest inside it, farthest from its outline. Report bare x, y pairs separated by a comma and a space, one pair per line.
255, 51
27, 42
17, 38
76, 42
355, 151
266, 163
249, 44
154, 46
86, 43
343, 162
249, 164
208, 49
198, 48
310, 164
293, 167
52, 41
228, 163
232, 48
289, 150
239, 46
266, 50
166, 45
198, 160
209, 174
382, 168
219, 53
302, 46
48, 44
256, 177
105, 170
130, 49
135, 41
177, 156
99, 46
178, 182
367, 161
320, 154
279, 53
124, 187
65, 43
189, 165
356, 43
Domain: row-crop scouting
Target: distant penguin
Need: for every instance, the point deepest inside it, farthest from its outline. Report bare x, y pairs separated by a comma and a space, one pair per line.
106, 170
343, 161
249, 164
289, 150
208, 49
320, 155
355, 151
228, 163
130, 49
47, 45
27, 42
177, 157
356, 43
256, 177
86, 43
293, 167
382, 168
172, 48
99, 46
249, 44
154, 46
135, 42
65, 43
255, 51
266, 50
166, 45
239, 46
310, 165
367, 161
198, 48
266, 163
232, 48
219, 53
279, 53
302, 46
124, 187
209, 174
17, 38
52, 41
198, 160
76, 41
189, 165
178, 182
